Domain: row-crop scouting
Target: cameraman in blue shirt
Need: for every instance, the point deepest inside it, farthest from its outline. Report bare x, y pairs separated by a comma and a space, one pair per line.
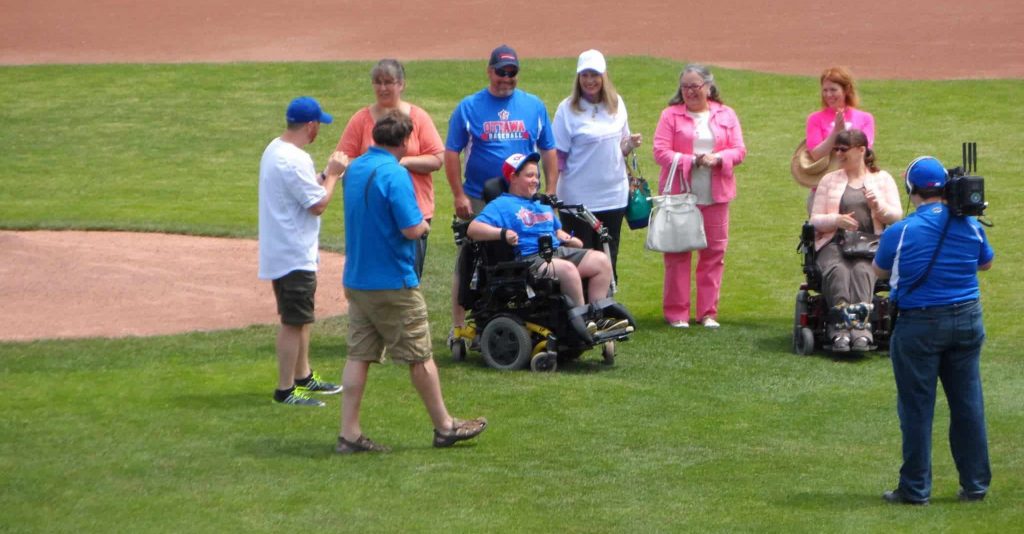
933, 257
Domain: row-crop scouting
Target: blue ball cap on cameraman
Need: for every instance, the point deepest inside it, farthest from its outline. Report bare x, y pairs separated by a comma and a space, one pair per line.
926, 172
306, 109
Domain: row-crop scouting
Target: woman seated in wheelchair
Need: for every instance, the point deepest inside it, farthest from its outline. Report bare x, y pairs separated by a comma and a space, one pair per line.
520, 220
858, 197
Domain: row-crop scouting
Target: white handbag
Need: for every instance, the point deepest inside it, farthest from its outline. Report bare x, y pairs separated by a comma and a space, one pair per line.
676, 223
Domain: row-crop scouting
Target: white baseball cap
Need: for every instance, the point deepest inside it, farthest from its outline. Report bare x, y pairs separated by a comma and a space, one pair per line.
591, 60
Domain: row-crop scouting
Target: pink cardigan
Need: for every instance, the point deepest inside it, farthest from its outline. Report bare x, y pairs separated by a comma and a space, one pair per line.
675, 133
830, 191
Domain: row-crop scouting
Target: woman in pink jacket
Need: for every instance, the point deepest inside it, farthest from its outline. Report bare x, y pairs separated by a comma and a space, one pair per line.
856, 197
707, 135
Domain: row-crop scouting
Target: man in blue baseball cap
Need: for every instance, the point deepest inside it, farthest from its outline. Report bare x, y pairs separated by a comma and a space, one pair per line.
291, 198
934, 257
489, 126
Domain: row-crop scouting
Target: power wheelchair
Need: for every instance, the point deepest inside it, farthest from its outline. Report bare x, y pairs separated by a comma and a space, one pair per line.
517, 319
812, 315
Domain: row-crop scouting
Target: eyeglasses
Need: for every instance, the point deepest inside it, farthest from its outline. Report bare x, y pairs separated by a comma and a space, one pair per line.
511, 73
691, 86
385, 82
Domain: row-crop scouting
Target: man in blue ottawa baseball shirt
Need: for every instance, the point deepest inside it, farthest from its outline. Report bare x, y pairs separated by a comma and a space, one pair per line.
491, 125
933, 257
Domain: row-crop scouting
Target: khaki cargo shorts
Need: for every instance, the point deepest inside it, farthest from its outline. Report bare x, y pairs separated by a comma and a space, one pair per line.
390, 320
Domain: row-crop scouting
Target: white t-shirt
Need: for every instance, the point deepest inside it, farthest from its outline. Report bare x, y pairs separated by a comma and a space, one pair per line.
595, 170
289, 232
703, 143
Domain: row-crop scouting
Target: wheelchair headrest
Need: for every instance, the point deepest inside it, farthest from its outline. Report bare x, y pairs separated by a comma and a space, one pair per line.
494, 187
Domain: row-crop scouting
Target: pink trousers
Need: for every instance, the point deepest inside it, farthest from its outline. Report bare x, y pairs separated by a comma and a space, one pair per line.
710, 266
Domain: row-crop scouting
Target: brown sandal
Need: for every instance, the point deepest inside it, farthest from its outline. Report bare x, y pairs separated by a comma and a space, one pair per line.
361, 444
461, 430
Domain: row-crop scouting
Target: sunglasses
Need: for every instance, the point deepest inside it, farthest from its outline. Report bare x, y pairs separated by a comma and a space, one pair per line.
511, 73
840, 149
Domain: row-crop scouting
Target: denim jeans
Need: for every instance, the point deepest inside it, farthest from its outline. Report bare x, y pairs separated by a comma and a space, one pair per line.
945, 343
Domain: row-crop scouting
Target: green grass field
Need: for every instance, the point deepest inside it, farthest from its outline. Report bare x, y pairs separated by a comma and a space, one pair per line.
690, 431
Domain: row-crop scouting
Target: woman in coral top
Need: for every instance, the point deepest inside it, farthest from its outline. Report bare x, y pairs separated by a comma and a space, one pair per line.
707, 135
425, 149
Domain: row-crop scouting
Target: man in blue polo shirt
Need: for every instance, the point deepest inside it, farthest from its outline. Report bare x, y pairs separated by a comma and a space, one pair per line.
933, 257
387, 313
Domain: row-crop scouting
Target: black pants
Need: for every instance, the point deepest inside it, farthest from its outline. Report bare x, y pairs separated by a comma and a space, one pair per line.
611, 219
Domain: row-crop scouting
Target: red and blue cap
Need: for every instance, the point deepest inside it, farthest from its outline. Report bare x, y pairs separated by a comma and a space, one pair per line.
515, 162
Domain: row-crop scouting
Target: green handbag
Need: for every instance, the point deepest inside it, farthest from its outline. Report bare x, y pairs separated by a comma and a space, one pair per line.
638, 206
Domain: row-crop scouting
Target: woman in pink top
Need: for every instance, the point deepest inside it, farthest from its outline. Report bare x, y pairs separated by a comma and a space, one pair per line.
857, 197
839, 113
707, 135
425, 149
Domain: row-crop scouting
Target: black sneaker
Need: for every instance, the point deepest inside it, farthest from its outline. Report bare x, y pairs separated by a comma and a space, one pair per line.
896, 497
969, 497
299, 398
315, 385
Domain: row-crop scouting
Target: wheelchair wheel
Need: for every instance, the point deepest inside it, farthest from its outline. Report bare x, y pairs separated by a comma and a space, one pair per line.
544, 362
608, 353
803, 341
459, 350
505, 344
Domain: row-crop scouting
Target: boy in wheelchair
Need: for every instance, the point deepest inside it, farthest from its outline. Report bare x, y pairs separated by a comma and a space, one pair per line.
555, 272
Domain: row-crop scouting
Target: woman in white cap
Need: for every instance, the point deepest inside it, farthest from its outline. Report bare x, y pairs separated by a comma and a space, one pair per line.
424, 150
858, 197
592, 137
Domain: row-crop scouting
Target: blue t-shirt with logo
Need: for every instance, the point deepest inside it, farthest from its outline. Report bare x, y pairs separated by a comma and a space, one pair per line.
529, 218
906, 248
491, 129
377, 255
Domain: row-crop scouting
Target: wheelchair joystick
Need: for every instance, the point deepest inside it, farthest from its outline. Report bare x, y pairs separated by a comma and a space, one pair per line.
546, 247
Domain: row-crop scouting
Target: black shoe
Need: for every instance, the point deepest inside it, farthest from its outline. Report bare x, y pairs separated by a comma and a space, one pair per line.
299, 397
896, 497
969, 497
315, 385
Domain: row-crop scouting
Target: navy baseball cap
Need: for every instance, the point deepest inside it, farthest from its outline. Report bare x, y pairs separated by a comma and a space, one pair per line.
503, 56
926, 172
306, 109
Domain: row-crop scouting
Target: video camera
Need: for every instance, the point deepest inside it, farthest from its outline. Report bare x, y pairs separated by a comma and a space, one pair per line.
965, 192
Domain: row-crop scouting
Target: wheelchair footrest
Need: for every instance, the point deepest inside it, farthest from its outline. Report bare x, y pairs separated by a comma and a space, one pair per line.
613, 335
